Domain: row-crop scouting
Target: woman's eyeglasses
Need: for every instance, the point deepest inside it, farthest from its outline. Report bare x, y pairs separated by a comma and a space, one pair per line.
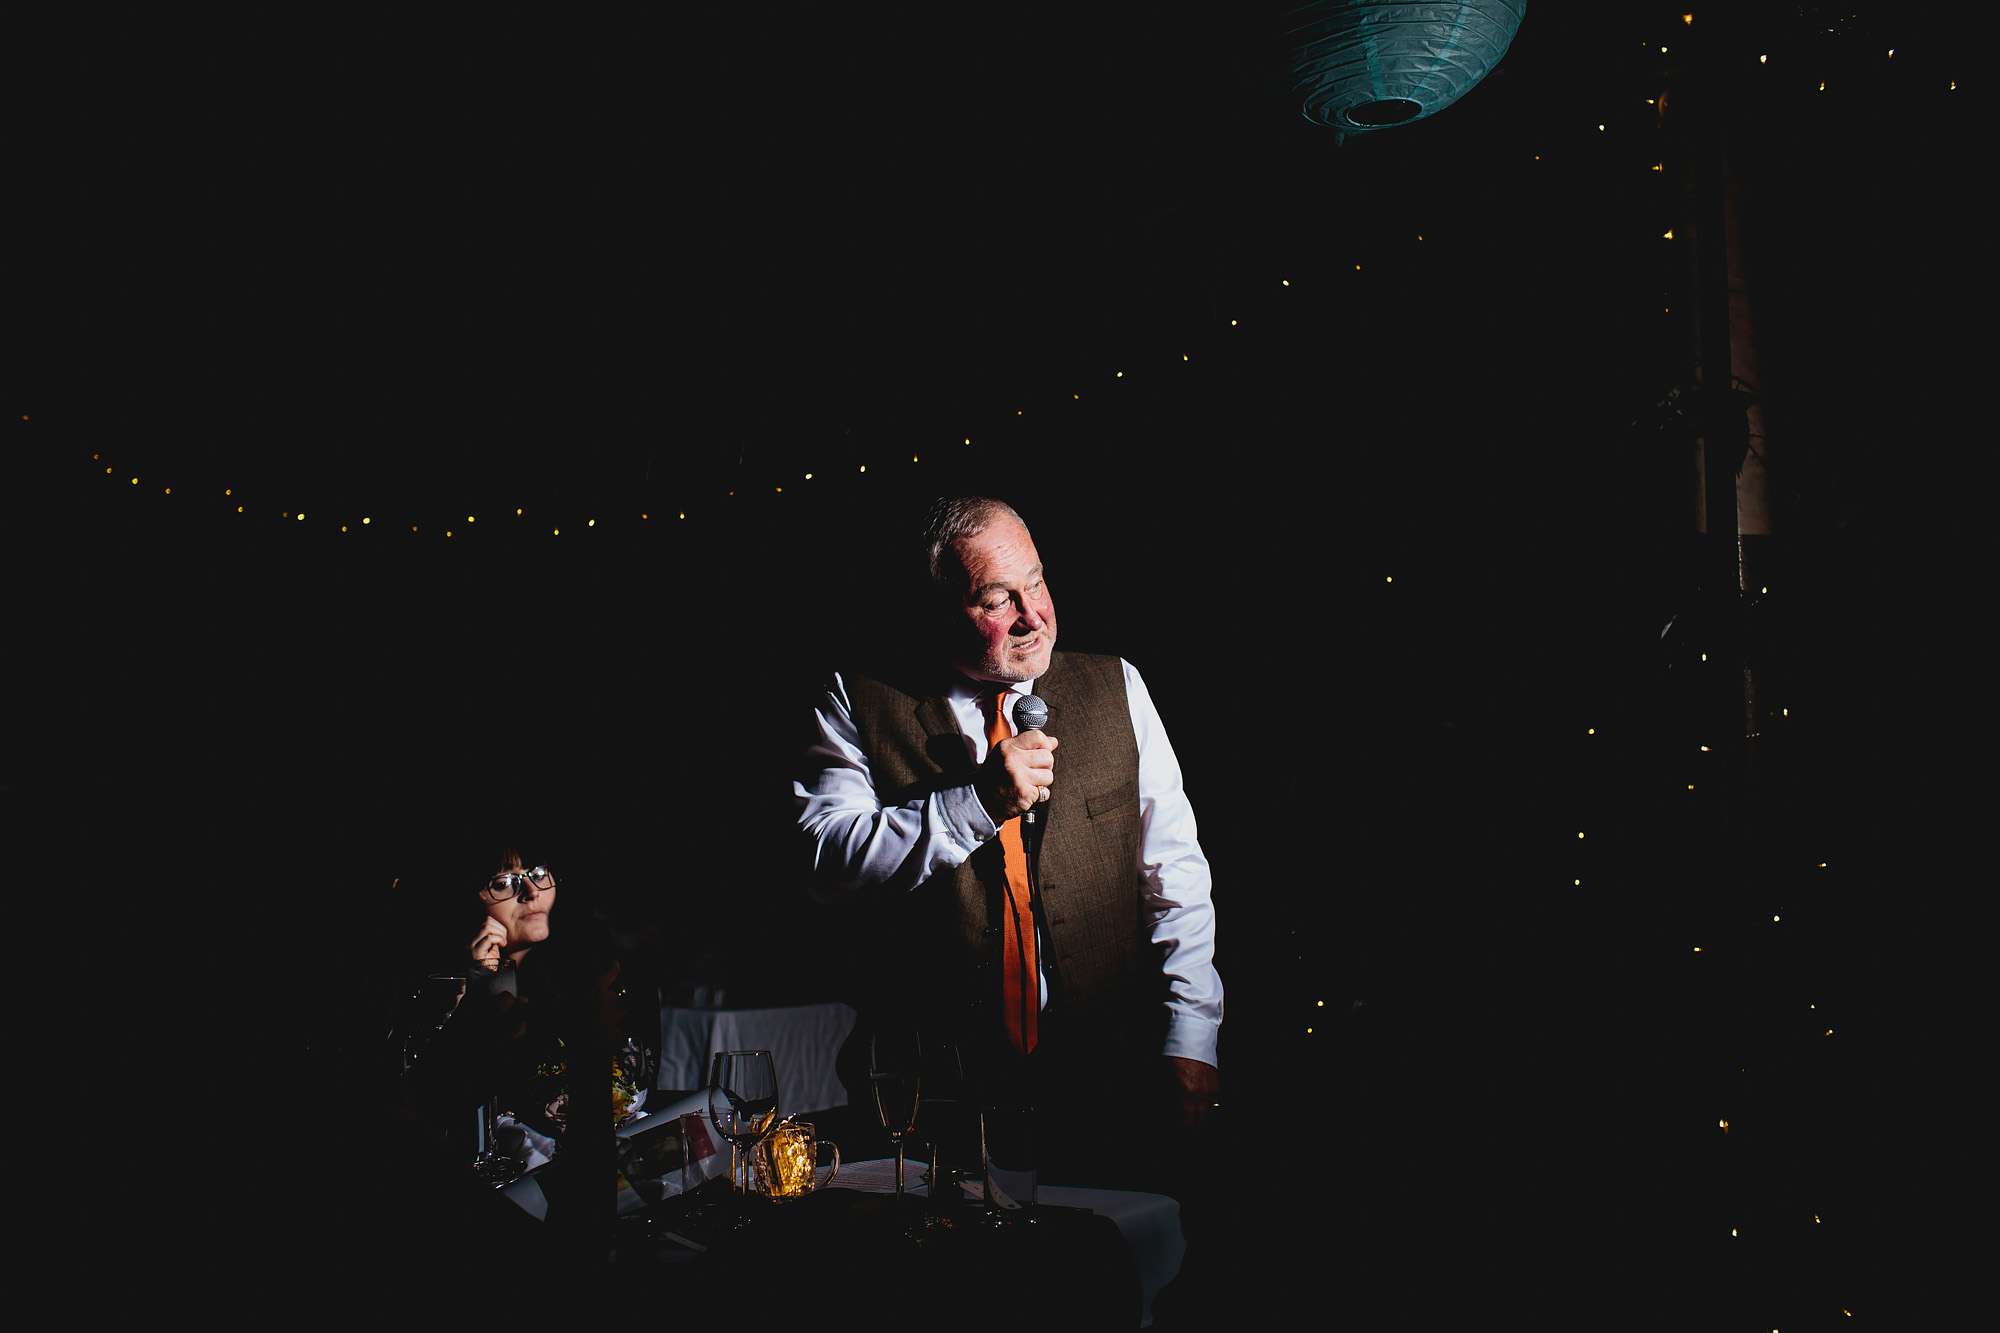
520, 885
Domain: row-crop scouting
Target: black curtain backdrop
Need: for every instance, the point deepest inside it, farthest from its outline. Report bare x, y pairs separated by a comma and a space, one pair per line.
1385, 550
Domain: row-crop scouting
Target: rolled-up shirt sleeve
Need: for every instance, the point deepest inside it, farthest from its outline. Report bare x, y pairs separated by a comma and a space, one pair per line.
858, 843
1175, 883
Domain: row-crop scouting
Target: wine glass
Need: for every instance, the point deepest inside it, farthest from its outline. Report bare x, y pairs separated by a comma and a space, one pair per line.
491, 1165
742, 1104
895, 1076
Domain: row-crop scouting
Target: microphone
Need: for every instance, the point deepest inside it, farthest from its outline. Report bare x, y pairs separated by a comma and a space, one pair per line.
1031, 713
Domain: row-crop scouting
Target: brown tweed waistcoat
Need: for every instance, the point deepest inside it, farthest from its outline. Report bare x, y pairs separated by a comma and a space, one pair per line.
1093, 929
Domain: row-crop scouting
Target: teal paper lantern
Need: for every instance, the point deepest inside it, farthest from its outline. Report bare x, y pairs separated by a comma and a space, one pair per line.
1360, 65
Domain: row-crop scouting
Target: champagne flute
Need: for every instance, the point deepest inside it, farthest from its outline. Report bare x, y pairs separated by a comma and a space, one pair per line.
742, 1104
895, 1075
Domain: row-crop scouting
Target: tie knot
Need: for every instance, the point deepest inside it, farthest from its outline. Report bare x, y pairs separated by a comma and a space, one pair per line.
997, 729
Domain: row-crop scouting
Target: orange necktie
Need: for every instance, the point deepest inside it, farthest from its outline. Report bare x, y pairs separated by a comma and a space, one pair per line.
1020, 981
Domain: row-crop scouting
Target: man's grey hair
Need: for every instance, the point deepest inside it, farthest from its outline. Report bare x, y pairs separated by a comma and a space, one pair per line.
953, 520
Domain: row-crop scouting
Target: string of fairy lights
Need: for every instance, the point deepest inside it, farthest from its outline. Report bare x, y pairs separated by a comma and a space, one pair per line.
238, 499
1817, 1024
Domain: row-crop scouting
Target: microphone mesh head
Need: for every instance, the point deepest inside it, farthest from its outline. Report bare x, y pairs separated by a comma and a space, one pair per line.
1030, 713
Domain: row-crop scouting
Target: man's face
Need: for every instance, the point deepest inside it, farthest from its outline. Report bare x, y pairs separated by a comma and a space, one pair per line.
1006, 608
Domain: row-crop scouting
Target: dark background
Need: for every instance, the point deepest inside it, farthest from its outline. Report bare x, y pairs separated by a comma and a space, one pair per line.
636, 265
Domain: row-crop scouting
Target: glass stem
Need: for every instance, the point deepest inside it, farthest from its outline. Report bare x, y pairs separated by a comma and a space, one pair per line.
899, 1168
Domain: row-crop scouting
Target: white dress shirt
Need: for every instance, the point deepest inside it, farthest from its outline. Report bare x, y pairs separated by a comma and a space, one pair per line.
857, 842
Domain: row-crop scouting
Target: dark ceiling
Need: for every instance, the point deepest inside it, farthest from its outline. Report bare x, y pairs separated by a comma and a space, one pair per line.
718, 232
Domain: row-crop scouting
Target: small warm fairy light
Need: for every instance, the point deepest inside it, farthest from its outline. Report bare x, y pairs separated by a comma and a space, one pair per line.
593, 522
1388, 578
1892, 53
683, 515
645, 518
1954, 86
1284, 282
864, 467
1666, 310
1184, 356
1704, 657
365, 520
1659, 166
1022, 411
1705, 750
1590, 731
1668, 234
1763, 60
239, 509
1822, 85
471, 518
1690, 786
1724, 1125
1600, 129
557, 532
135, 481
1309, 1032
1663, 50
1688, 19
447, 534
1774, 918
1732, 1231
1816, 1220
1578, 883
1120, 375
1829, 1032
302, 518
1822, 865
1076, 397
781, 490
517, 511
1538, 157
1697, 948
1357, 268
1232, 323
968, 439
285, 514
1579, 833
343, 527
413, 528
1784, 712
107, 472
169, 490
1420, 236
913, 458
1765, 588
1812, 1006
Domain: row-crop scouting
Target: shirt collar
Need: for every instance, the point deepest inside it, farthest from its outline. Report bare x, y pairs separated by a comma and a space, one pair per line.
963, 687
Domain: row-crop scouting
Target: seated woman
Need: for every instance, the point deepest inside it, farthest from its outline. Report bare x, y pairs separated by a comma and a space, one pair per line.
529, 1002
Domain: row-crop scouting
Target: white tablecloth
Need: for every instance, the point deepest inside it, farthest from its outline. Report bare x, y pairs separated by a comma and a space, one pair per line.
1150, 1223
802, 1039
